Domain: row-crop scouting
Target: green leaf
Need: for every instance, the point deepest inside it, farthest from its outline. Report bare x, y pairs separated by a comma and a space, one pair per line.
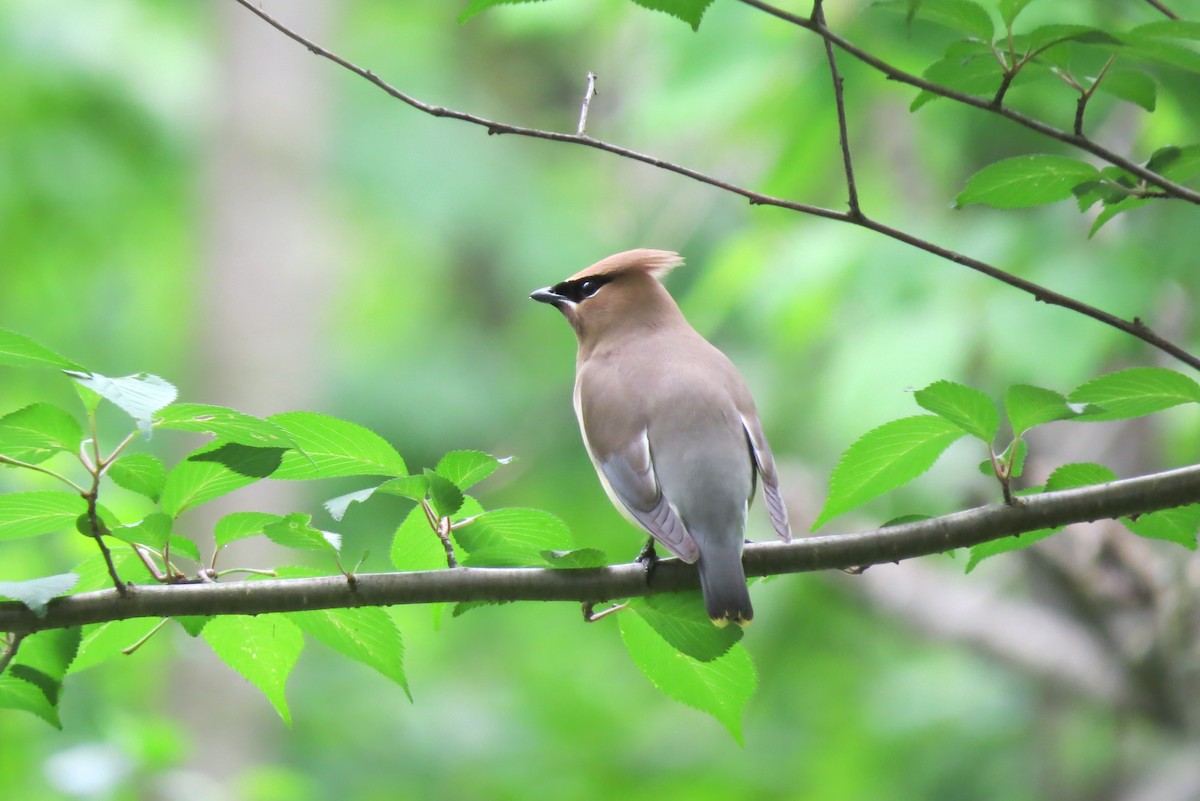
366, 634
93, 572
578, 558
690, 11
1176, 163
978, 75
153, 530
1156, 42
17, 693
1132, 86
966, 407
140, 473
240, 525
1169, 29
28, 514
18, 350
328, 447
226, 425
37, 593
511, 537
295, 531
959, 15
1069, 476
1134, 392
264, 649
139, 395
104, 641
721, 687
213, 471
415, 546
415, 488
885, 458
1113, 209
466, 468
1026, 181
37, 432
1177, 525
43, 660
680, 619
1009, 9
1030, 406
445, 496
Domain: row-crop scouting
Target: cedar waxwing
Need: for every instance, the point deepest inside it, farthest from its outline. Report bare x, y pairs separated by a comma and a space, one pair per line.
668, 421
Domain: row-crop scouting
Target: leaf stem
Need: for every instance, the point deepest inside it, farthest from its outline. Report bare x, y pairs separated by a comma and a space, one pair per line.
38, 468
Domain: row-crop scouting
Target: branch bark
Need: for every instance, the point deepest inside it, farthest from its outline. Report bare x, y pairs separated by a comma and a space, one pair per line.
961, 529
854, 216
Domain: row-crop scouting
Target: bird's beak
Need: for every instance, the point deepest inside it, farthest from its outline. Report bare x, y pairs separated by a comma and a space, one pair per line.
547, 295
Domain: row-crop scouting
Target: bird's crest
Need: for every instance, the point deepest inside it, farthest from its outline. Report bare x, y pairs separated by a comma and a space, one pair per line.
656, 263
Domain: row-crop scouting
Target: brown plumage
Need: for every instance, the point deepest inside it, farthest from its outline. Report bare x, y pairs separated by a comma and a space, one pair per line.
668, 421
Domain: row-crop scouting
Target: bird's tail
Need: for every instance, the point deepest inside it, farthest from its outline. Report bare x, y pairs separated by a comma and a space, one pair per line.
723, 583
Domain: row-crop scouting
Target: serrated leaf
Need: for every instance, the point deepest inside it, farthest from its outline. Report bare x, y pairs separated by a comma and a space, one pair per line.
18, 350
140, 473
139, 395
93, 572
680, 619
1156, 42
104, 641
365, 634
690, 11
226, 425
1177, 525
17, 693
295, 531
978, 75
1029, 406
240, 525
415, 546
328, 447
1134, 392
37, 432
415, 488
885, 458
154, 530
264, 649
966, 407
213, 471
1069, 476
445, 496
193, 625
578, 558
511, 537
467, 468
721, 687
37, 593
1026, 181
1047, 36
44, 657
28, 514
1132, 86
959, 15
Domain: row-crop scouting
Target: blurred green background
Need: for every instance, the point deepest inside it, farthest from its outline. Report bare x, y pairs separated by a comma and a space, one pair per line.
185, 192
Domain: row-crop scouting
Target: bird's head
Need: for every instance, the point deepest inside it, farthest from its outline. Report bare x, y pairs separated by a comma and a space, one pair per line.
620, 293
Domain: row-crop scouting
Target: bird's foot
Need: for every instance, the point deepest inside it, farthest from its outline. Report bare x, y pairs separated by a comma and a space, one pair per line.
648, 559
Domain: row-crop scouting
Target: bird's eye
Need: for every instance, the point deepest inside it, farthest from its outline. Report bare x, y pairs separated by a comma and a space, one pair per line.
588, 288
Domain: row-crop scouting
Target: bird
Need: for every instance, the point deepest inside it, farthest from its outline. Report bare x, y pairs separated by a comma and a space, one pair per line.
668, 422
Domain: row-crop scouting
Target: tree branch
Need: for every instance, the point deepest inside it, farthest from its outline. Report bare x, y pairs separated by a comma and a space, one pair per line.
596, 585
986, 104
1136, 328
840, 102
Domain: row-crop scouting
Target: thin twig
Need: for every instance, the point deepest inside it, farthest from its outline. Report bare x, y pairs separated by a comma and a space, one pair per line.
588, 94
896, 74
1135, 328
598, 585
840, 101
1162, 7
10, 649
1086, 95
38, 468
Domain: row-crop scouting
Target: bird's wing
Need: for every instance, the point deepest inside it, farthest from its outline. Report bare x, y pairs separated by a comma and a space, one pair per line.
629, 475
765, 463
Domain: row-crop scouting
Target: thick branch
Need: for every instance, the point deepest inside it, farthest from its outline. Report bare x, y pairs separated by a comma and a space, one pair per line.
1135, 328
986, 104
962, 529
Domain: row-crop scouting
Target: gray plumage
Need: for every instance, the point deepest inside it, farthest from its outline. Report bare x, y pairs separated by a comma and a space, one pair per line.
668, 421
